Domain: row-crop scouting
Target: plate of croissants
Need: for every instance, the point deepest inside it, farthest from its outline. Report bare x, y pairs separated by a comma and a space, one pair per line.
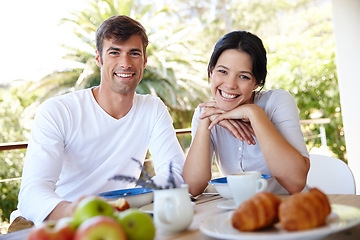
305, 215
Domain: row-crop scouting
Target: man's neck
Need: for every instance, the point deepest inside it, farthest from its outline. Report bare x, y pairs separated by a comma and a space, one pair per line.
115, 104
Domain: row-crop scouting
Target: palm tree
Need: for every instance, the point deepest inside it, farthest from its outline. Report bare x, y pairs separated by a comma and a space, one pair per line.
168, 56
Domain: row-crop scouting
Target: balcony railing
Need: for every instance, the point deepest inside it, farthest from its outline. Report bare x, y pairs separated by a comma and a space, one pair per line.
184, 131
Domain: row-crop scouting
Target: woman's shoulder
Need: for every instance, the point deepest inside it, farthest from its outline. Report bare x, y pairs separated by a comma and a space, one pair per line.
273, 94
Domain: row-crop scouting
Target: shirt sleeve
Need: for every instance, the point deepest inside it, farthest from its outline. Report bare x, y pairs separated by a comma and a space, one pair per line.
165, 148
42, 166
284, 114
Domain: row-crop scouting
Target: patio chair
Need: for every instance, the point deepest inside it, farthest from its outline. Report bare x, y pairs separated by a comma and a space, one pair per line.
330, 175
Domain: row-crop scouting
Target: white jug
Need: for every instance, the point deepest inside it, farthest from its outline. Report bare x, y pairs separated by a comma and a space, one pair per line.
173, 210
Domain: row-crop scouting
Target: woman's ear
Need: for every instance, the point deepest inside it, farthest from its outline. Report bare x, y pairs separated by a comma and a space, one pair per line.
211, 74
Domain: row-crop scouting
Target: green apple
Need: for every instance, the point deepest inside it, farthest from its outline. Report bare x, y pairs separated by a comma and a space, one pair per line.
90, 207
66, 221
100, 227
136, 224
50, 230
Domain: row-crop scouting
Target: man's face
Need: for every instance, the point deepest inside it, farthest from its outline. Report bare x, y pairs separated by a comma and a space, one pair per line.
122, 64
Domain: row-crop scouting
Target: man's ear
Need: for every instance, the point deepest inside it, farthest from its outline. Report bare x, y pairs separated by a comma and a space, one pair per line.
98, 58
145, 60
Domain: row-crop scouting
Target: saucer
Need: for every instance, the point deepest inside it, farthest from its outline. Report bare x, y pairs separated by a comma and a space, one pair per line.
227, 205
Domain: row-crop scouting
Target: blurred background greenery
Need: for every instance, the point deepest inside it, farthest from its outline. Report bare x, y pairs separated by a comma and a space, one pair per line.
298, 36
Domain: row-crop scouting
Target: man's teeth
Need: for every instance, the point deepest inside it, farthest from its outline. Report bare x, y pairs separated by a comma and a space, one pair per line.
123, 74
225, 95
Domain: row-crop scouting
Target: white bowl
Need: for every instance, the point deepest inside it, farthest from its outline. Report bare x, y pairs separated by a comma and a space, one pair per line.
136, 197
222, 187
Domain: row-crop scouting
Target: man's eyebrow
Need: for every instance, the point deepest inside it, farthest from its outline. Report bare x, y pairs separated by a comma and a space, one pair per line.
113, 49
119, 50
135, 50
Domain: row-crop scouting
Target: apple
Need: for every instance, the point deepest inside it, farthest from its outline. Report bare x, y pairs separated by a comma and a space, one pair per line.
136, 224
90, 207
50, 230
100, 227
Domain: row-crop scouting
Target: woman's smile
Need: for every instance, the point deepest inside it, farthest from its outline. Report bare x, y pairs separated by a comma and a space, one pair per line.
227, 96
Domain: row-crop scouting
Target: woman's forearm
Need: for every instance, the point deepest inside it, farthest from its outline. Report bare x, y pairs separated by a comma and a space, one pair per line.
286, 164
197, 168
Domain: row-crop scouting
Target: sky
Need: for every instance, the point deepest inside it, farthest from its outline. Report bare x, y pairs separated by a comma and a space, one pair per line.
31, 37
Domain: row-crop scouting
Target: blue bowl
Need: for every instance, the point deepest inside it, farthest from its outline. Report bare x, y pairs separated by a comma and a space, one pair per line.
136, 197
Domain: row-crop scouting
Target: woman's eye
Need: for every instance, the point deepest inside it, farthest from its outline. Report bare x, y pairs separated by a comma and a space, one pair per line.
244, 77
221, 71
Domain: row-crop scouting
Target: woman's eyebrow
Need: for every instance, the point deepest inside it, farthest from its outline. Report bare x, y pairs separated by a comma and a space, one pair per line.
222, 66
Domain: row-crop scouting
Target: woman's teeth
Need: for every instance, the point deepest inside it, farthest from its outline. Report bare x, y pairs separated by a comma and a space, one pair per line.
226, 95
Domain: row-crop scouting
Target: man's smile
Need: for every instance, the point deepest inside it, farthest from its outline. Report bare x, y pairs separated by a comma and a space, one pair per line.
124, 75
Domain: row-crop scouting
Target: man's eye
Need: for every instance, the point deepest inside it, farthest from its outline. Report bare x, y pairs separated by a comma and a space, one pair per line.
113, 53
135, 54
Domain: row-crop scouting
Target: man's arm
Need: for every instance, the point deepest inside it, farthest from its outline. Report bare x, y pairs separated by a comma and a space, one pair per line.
64, 209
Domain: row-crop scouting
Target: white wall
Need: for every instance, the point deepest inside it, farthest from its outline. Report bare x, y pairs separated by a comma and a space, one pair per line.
346, 15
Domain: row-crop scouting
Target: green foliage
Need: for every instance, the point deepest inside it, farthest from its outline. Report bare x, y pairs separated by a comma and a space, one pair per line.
171, 73
304, 64
11, 162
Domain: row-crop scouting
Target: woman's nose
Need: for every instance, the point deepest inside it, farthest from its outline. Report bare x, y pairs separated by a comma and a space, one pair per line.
230, 82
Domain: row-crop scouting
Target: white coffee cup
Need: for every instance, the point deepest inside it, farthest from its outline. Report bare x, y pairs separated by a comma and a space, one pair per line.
245, 184
173, 211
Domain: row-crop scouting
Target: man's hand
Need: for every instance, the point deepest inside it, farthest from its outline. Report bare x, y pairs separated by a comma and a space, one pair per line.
64, 209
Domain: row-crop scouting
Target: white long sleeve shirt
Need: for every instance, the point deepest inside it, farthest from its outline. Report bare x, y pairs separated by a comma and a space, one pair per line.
233, 155
75, 147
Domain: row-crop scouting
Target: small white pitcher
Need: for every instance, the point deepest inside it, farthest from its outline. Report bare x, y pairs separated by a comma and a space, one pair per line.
173, 211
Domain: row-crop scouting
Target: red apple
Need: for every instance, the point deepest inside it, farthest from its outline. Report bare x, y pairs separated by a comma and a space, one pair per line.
90, 207
50, 230
100, 227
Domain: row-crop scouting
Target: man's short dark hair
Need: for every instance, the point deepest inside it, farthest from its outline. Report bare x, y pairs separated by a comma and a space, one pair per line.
119, 28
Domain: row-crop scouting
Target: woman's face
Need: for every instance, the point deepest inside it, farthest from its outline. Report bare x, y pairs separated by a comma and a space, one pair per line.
232, 80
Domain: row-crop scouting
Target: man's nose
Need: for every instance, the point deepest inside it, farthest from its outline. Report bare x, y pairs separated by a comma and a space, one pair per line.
125, 62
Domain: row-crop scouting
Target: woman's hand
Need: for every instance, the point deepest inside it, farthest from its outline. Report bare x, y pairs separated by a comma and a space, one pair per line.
237, 128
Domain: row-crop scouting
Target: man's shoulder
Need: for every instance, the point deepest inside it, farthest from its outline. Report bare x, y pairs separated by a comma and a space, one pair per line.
68, 99
147, 97
148, 100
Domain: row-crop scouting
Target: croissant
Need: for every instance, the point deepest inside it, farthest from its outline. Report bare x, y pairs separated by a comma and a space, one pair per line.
304, 210
257, 212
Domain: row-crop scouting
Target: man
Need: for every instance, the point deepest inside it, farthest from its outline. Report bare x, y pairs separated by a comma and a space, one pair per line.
81, 139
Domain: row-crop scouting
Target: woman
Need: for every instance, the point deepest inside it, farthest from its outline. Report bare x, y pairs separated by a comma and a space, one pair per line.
246, 128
